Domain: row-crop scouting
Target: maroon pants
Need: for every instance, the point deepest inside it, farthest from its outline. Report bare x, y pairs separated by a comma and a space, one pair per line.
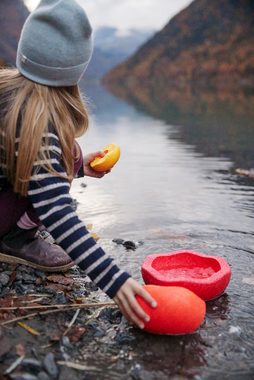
13, 206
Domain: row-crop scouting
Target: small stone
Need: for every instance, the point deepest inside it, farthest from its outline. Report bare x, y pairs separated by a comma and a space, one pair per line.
4, 278
135, 372
43, 376
74, 204
6, 290
129, 245
118, 241
3, 267
50, 365
23, 376
59, 298
32, 364
114, 316
28, 278
124, 338
97, 331
40, 273
91, 287
22, 288
66, 342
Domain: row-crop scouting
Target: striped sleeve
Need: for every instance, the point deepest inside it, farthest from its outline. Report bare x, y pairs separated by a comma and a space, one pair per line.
50, 197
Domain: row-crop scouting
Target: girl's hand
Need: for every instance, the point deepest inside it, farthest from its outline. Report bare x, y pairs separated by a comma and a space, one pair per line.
127, 303
87, 168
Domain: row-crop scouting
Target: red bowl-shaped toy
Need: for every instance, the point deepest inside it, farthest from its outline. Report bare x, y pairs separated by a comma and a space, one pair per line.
178, 311
207, 276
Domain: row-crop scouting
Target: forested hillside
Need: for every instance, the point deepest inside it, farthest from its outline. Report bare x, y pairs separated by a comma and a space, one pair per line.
209, 44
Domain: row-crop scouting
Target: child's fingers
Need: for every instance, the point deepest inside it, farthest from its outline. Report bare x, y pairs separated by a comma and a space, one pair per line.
99, 153
137, 309
130, 313
146, 296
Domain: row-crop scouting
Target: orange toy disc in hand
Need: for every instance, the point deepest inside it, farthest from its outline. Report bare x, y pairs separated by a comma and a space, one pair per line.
179, 310
103, 164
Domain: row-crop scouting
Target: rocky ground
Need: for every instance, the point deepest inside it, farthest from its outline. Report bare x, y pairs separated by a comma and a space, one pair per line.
39, 340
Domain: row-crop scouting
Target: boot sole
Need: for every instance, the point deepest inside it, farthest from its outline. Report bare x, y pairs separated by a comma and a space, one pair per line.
16, 260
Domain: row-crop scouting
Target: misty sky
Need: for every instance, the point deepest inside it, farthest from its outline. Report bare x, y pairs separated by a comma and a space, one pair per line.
126, 14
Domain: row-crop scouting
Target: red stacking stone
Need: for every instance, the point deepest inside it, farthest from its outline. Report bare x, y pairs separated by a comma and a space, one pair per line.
207, 276
179, 310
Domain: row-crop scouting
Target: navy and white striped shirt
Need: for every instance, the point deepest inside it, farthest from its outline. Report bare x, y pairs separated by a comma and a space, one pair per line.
49, 195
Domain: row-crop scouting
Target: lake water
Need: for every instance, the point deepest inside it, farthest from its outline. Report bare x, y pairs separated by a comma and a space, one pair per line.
175, 188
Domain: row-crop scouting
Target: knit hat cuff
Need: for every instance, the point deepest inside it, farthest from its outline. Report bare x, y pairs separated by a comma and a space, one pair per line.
47, 75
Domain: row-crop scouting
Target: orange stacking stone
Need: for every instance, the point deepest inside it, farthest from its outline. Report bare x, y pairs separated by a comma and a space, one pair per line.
112, 155
179, 310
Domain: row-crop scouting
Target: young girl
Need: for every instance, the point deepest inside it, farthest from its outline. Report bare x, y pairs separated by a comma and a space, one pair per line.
41, 114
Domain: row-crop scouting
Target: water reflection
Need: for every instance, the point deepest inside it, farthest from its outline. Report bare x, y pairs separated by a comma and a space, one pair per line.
218, 124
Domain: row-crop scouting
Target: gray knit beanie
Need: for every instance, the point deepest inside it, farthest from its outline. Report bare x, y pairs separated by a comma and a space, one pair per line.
55, 44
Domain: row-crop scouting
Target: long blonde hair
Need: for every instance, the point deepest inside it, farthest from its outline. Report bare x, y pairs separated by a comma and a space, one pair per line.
33, 107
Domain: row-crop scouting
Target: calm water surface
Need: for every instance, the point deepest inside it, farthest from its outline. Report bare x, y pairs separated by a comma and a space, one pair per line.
170, 191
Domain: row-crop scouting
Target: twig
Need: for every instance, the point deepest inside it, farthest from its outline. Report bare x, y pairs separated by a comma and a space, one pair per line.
29, 328
14, 365
33, 301
35, 295
59, 306
81, 306
78, 366
72, 322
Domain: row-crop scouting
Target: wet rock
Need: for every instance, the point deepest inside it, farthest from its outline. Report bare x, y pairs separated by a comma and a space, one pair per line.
135, 372
5, 290
4, 278
60, 298
5, 345
32, 364
80, 293
114, 316
27, 278
74, 204
129, 245
21, 288
3, 267
50, 365
90, 286
47, 290
23, 376
35, 353
25, 269
118, 241
123, 338
65, 355
42, 376
66, 342
98, 332
40, 273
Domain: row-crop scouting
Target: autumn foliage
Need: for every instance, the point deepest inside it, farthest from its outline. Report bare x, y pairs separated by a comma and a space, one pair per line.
210, 44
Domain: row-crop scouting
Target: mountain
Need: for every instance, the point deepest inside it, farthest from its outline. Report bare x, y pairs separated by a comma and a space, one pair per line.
111, 48
12, 17
210, 44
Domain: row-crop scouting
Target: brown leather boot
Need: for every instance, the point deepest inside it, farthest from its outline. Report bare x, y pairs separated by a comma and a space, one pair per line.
22, 246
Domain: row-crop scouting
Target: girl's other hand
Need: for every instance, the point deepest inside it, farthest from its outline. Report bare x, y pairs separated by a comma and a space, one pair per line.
88, 171
127, 303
